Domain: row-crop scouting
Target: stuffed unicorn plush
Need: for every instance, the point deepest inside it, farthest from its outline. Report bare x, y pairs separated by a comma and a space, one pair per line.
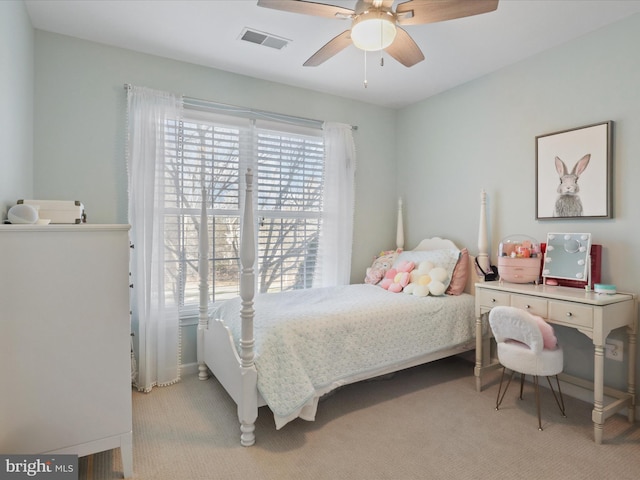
381, 265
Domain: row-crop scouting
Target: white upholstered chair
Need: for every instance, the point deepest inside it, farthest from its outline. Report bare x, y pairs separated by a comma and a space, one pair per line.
527, 345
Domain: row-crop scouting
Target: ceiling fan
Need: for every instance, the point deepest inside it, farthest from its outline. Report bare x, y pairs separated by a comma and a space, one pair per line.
376, 26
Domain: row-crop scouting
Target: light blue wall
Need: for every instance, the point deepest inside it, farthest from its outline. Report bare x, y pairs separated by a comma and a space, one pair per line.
80, 133
16, 114
482, 135
80, 129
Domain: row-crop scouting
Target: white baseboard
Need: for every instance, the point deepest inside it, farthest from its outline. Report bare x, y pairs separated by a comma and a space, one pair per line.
189, 368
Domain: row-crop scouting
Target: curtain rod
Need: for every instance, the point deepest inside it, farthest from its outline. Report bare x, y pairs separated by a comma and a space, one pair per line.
198, 102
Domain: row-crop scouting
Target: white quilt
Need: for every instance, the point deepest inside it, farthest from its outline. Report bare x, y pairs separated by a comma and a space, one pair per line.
308, 342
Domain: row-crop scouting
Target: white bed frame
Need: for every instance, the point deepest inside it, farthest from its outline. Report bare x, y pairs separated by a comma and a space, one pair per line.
237, 372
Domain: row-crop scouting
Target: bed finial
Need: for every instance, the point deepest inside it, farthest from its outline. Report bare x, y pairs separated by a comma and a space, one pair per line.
483, 244
400, 226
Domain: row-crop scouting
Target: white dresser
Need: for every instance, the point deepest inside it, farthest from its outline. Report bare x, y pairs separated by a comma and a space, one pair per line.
65, 364
590, 313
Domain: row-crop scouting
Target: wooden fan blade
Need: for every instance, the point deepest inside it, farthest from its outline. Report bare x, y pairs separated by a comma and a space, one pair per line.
416, 12
404, 49
333, 46
308, 8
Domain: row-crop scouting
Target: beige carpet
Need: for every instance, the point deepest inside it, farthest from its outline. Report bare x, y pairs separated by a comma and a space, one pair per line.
424, 423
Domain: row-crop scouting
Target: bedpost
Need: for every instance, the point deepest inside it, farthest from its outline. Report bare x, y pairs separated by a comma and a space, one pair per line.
203, 273
482, 342
248, 406
399, 226
483, 243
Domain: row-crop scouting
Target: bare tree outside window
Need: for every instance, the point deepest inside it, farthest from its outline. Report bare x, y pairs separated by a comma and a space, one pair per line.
290, 179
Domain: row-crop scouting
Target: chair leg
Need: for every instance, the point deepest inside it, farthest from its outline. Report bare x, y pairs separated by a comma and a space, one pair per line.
500, 398
558, 397
559, 402
535, 382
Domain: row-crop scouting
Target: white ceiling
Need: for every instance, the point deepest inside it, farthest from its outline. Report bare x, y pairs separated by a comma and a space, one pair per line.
208, 33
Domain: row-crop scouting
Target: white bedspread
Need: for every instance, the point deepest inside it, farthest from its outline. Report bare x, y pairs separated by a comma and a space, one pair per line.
308, 342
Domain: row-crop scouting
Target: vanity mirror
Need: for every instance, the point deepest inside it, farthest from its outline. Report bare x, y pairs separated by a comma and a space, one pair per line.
567, 256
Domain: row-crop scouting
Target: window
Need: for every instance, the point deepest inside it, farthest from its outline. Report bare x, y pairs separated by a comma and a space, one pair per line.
290, 183
214, 151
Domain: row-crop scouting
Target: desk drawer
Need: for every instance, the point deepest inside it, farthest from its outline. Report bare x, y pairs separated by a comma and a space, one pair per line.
570, 314
491, 298
533, 305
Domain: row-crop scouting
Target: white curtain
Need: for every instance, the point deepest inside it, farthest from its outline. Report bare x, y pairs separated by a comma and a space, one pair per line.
336, 239
155, 318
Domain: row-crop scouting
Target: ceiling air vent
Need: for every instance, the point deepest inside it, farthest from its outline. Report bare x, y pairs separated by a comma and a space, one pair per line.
261, 38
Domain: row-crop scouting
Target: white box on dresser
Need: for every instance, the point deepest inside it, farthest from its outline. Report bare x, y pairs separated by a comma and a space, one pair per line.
65, 331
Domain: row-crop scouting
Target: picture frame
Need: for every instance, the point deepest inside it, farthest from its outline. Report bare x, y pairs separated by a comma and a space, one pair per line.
574, 173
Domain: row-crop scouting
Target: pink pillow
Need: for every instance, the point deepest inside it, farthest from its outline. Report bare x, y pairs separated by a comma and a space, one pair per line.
549, 339
460, 274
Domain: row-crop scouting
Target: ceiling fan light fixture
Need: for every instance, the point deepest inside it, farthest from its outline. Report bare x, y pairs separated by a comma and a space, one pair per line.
373, 30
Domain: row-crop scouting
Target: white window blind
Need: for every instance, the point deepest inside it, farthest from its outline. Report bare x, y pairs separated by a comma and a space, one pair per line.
290, 184
213, 150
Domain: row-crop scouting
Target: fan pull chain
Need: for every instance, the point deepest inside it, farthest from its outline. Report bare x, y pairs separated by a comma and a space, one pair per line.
365, 69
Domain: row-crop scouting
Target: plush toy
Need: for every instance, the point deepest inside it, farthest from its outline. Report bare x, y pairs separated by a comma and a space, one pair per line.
399, 277
438, 277
380, 266
427, 279
420, 280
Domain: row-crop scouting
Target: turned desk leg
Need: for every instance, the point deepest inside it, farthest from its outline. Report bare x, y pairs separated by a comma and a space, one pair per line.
479, 356
598, 393
631, 378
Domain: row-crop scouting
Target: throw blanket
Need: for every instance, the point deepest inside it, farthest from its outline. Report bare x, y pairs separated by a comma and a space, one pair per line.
308, 342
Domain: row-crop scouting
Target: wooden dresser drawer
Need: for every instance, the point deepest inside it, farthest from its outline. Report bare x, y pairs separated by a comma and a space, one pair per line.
533, 305
491, 298
570, 314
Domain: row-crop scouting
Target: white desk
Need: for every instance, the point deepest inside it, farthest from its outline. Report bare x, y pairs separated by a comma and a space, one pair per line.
593, 314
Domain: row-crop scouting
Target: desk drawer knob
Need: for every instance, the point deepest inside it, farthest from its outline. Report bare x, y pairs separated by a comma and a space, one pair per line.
493, 300
569, 314
527, 307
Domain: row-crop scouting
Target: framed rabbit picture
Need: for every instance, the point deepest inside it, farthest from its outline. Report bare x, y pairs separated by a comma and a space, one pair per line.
573, 173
